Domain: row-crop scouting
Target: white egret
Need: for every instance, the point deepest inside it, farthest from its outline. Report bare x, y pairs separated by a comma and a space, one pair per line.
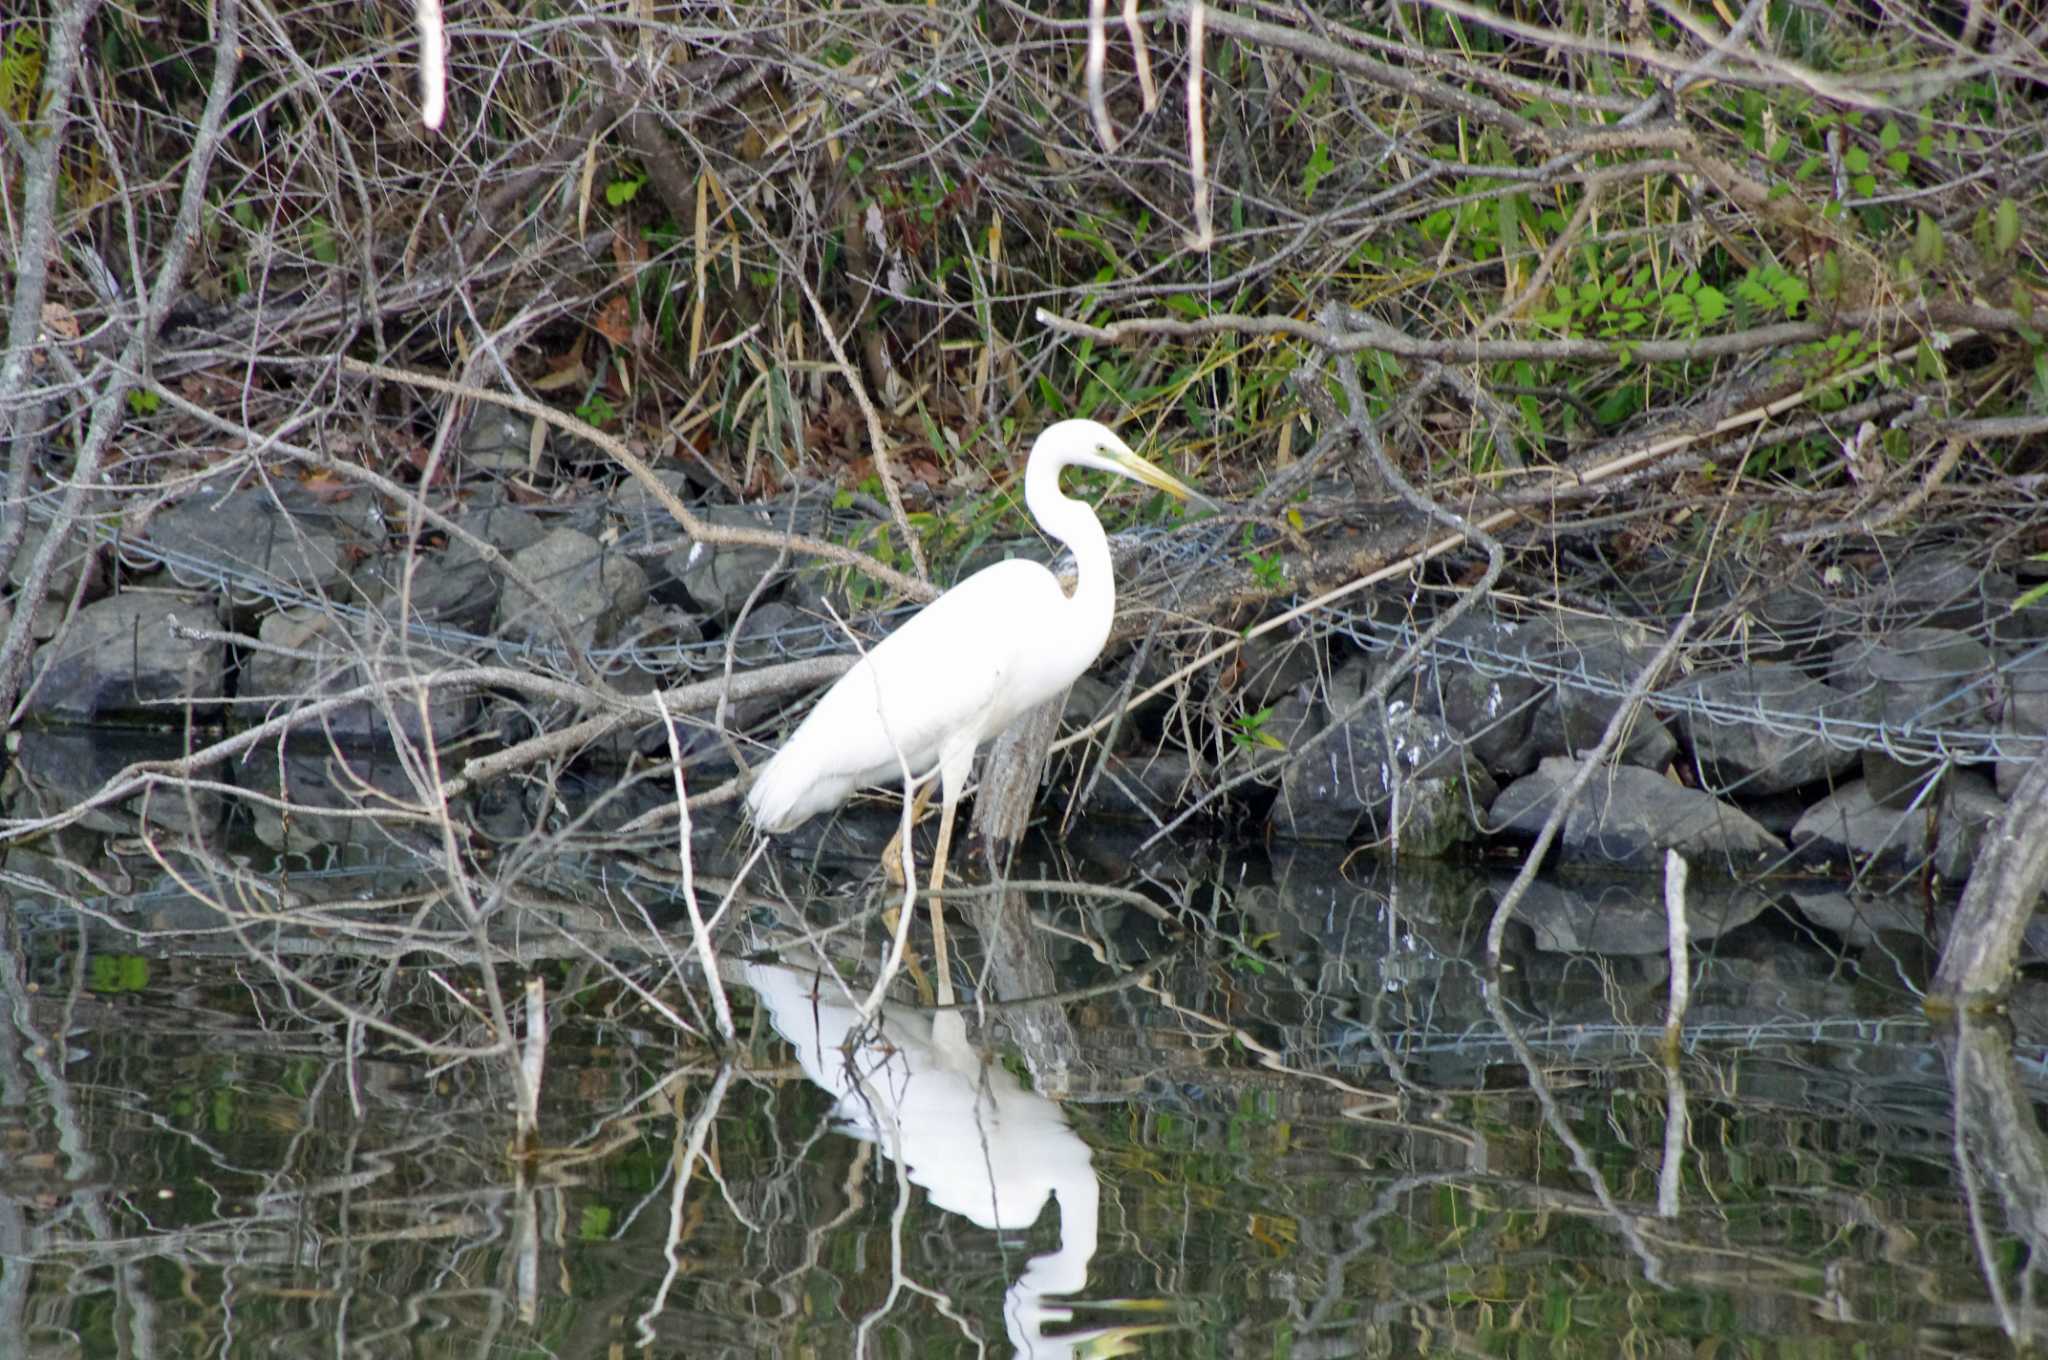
995, 646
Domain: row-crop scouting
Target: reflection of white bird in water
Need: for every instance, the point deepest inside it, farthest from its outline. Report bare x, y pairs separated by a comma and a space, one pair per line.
992, 648
980, 1144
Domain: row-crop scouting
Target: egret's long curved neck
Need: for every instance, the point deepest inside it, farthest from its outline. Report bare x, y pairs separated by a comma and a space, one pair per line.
1073, 523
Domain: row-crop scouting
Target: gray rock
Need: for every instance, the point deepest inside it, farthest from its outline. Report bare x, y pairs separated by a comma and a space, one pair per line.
1088, 698
1750, 729
57, 769
1278, 663
1293, 717
2023, 627
319, 655
257, 543
1570, 916
759, 642
1861, 920
1148, 787
719, 578
823, 591
501, 441
1899, 783
1263, 737
1916, 678
458, 588
593, 587
1629, 815
1851, 826
1943, 589
71, 563
1590, 664
1406, 784
652, 535
120, 659
1789, 622
504, 526
1970, 810
325, 797
1919, 677
662, 626
2025, 683
442, 591
1345, 689
1470, 686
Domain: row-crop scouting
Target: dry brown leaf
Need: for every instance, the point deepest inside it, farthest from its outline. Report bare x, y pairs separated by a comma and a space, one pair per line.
58, 321
614, 321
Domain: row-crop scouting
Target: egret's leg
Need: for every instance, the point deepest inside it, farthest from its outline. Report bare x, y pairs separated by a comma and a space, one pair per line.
892, 853
941, 963
892, 868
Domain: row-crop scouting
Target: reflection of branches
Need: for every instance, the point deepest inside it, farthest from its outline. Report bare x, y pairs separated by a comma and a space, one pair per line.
1561, 1129
691, 1136
1998, 1140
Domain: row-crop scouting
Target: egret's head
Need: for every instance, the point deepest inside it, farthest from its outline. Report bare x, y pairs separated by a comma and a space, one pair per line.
1090, 444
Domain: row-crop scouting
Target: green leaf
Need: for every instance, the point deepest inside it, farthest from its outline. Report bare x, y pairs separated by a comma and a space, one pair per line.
119, 973
320, 240
2005, 227
1856, 160
1927, 365
1927, 243
620, 192
1319, 164
1889, 137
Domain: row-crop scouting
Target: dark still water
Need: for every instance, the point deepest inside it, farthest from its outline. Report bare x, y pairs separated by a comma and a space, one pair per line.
1227, 1106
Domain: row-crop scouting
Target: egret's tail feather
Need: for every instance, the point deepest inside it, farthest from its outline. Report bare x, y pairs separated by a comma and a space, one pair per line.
784, 796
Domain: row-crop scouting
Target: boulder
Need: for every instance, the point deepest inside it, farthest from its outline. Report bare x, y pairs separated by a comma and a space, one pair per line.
1589, 664
318, 654
591, 586
1851, 827
1631, 816
120, 659
1406, 783
1762, 728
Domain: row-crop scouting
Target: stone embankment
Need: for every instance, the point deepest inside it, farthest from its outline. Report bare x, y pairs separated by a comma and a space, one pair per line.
1880, 733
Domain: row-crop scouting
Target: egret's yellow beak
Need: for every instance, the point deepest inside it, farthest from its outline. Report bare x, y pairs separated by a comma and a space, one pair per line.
1137, 469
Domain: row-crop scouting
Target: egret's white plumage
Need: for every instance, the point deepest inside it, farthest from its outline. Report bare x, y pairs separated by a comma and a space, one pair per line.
1003, 641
